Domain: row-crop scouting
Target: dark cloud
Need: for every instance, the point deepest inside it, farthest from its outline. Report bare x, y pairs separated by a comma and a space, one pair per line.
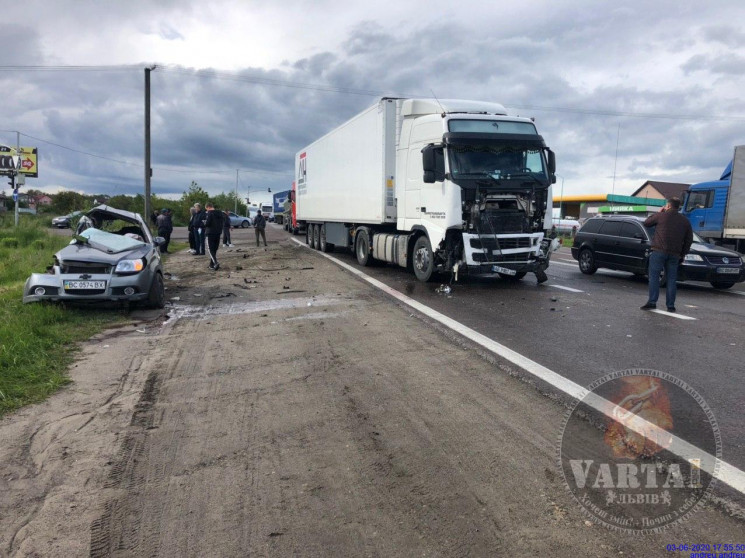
581, 72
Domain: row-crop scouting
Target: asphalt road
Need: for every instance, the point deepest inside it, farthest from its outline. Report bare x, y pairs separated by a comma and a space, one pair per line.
600, 329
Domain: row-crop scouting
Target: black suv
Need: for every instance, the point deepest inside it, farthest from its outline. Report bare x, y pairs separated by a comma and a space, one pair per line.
622, 242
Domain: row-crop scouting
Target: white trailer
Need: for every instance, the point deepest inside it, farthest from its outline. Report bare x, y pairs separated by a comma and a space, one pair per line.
450, 186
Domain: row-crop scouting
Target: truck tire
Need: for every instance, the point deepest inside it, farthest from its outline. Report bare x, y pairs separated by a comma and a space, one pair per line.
587, 261
324, 246
309, 235
423, 259
316, 237
362, 248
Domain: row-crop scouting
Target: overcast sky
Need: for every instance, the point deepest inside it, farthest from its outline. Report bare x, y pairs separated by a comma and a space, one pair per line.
246, 84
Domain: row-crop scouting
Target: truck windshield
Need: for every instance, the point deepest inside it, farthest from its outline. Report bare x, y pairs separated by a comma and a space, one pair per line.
492, 127
496, 161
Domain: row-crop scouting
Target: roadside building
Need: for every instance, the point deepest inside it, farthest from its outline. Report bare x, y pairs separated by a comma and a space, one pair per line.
660, 190
581, 207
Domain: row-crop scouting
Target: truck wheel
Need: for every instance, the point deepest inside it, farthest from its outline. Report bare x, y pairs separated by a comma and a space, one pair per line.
722, 284
587, 262
316, 237
423, 259
156, 298
325, 246
362, 247
309, 235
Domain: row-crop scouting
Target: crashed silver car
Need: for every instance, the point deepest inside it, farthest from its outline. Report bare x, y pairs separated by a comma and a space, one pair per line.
112, 257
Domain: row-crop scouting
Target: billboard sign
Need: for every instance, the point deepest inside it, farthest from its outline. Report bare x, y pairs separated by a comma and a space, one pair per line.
25, 161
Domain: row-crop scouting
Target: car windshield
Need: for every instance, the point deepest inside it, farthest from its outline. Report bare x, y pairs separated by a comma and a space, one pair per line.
109, 242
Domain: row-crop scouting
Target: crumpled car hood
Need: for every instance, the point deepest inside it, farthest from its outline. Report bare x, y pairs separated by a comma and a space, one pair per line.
85, 253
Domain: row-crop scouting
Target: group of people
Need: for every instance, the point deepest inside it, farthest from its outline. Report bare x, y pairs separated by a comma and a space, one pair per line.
205, 227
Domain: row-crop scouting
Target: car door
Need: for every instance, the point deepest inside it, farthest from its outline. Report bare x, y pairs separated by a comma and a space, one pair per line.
632, 247
607, 245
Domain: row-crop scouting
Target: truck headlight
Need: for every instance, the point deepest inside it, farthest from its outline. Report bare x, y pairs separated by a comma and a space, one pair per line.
693, 258
129, 266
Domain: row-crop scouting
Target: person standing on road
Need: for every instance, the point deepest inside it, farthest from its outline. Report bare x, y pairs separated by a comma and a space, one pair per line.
190, 227
672, 240
226, 229
213, 226
259, 226
197, 223
165, 228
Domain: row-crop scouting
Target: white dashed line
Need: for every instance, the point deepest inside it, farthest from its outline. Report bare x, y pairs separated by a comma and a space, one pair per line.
563, 288
721, 470
673, 315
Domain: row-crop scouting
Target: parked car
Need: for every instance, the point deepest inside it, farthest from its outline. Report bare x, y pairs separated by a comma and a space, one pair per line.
622, 242
65, 221
112, 257
239, 221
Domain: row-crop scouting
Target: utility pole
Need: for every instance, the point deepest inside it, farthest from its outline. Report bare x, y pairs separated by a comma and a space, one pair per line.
236, 192
148, 169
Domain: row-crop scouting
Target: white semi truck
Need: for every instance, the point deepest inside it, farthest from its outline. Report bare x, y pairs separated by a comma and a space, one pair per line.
445, 186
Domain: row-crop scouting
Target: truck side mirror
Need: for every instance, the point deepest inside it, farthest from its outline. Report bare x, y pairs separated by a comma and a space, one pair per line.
551, 163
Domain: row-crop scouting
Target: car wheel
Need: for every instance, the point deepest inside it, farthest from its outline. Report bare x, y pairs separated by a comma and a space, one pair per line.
722, 284
316, 237
362, 248
157, 296
245, 224
423, 259
587, 263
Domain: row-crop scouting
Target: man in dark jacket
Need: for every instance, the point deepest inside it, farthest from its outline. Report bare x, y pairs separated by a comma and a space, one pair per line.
213, 227
259, 226
197, 224
165, 228
673, 236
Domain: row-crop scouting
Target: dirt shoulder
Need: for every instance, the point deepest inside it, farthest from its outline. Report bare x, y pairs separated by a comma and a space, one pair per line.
282, 407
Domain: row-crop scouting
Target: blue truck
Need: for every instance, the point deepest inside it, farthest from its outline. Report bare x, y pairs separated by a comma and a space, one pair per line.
279, 206
716, 209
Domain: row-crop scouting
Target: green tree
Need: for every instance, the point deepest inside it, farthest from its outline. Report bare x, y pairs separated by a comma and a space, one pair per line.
68, 201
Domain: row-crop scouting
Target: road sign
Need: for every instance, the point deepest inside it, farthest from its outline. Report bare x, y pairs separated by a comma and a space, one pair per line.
25, 161
15, 195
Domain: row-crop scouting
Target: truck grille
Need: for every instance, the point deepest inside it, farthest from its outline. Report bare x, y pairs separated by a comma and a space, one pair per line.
519, 257
504, 243
84, 267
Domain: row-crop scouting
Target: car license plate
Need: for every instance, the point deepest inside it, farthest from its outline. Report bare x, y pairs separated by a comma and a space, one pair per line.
84, 285
505, 270
728, 270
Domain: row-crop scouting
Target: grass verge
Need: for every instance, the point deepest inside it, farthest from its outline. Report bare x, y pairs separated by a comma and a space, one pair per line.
37, 341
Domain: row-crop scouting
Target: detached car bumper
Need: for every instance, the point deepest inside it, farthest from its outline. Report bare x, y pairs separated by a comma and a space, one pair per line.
114, 286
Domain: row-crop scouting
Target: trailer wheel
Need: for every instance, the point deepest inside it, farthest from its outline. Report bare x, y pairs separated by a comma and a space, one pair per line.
309, 235
324, 246
316, 237
362, 247
423, 259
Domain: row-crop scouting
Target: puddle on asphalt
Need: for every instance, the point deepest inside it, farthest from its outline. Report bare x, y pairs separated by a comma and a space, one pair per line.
184, 311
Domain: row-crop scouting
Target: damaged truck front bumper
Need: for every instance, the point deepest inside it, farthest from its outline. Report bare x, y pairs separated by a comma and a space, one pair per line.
508, 254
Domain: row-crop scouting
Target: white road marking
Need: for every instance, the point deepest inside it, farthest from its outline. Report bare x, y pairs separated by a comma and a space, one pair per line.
554, 262
742, 293
673, 314
721, 470
570, 289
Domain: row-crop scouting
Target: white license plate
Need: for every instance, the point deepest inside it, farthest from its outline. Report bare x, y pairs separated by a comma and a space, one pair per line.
728, 270
84, 285
505, 270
